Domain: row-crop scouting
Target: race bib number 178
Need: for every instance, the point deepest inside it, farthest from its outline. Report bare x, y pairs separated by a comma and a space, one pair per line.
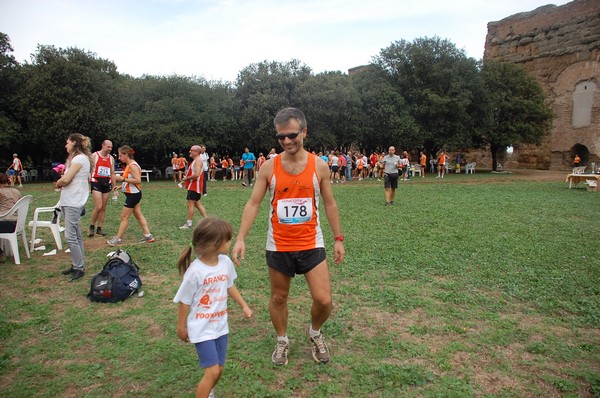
294, 210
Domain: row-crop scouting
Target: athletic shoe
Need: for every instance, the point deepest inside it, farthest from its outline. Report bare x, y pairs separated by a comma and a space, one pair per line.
114, 241
244, 184
68, 271
100, 232
148, 239
91, 233
280, 354
212, 394
186, 226
77, 274
319, 350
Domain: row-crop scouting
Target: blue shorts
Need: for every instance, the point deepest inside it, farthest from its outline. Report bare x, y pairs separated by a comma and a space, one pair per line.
212, 352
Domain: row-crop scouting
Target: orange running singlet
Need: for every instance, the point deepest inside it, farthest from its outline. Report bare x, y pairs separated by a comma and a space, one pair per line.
128, 187
294, 222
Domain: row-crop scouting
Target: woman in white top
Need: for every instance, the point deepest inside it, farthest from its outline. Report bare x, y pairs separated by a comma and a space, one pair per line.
73, 196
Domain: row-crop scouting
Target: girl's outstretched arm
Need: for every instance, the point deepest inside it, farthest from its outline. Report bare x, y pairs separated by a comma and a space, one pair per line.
235, 294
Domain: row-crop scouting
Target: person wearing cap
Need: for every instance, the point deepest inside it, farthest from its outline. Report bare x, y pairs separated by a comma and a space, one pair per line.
193, 182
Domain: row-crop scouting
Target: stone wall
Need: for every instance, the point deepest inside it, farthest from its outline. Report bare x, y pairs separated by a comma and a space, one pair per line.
560, 47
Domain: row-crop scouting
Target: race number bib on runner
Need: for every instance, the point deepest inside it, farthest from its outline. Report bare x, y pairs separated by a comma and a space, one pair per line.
104, 171
294, 210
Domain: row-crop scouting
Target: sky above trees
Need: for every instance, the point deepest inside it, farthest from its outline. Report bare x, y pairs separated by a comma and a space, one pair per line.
217, 39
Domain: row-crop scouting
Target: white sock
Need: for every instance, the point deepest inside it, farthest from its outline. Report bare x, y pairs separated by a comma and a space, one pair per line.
189, 222
313, 333
283, 338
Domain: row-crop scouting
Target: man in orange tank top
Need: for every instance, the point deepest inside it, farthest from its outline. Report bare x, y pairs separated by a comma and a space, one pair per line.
296, 181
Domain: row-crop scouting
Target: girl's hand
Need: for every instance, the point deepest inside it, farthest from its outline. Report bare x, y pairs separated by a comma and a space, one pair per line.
182, 333
247, 312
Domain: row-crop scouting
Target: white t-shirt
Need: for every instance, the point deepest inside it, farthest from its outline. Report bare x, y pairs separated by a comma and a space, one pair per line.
204, 156
334, 161
76, 193
204, 289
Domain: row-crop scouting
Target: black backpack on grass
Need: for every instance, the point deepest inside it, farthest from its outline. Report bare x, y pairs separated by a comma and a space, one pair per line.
117, 281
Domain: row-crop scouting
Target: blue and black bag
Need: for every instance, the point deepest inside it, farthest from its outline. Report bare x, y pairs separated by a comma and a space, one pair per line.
118, 280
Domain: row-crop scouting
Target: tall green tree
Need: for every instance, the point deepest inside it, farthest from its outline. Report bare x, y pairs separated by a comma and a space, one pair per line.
331, 104
385, 117
162, 114
436, 79
65, 91
9, 90
261, 90
515, 108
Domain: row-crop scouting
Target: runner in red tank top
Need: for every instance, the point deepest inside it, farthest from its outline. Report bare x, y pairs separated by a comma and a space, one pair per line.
194, 181
102, 181
297, 181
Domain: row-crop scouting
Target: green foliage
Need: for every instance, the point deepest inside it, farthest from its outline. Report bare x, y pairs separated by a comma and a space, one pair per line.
437, 81
425, 94
65, 91
516, 112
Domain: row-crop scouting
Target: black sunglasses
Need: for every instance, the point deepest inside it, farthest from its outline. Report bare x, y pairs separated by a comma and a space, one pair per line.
291, 136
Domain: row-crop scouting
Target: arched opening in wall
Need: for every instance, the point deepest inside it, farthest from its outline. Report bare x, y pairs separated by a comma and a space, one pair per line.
583, 153
583, 100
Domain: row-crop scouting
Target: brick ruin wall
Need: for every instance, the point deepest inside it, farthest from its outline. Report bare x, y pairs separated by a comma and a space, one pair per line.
560, 47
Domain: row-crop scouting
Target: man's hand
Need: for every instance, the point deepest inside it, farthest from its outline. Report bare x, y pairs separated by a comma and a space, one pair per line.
339, 252
239, 249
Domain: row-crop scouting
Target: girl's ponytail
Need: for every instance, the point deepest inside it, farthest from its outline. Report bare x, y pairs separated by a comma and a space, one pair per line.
184, 260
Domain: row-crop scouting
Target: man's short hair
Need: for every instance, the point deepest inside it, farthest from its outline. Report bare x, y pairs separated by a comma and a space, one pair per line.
284, 116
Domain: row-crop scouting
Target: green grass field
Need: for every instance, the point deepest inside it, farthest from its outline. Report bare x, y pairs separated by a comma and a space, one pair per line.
474, 286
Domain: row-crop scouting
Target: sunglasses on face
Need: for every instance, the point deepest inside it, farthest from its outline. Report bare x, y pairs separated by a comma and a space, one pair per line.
291, 136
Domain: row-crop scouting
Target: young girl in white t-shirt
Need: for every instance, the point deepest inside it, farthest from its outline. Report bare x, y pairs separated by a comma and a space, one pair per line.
208, 279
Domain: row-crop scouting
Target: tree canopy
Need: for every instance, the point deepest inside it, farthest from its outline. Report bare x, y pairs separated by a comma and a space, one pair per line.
425, 94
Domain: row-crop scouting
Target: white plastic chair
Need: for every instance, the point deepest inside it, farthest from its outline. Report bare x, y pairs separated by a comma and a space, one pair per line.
168, 172
24, 176
498, 166
470, 168
33, 175
54, 226
21, 208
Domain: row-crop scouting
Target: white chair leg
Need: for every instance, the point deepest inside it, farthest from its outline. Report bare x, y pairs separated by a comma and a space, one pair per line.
14, 247
57, 237
33, 230
25, 246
